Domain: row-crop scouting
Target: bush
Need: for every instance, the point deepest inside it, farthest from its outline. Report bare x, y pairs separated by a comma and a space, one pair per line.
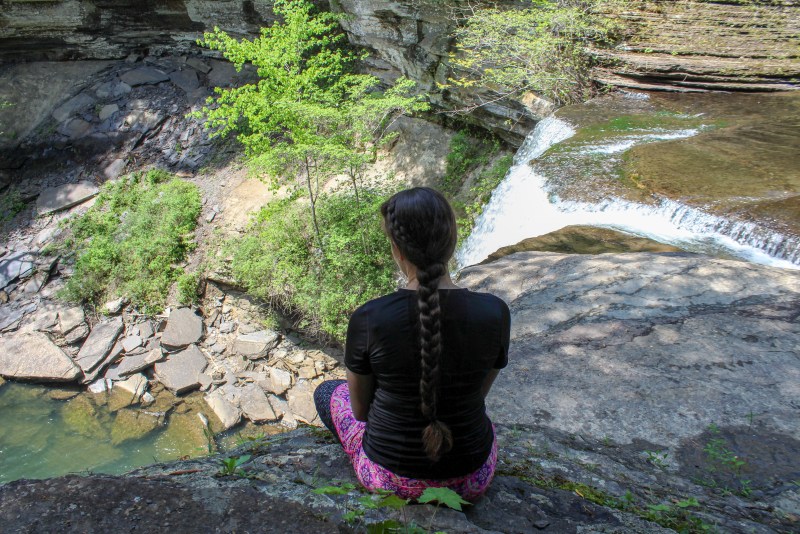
129, 242
278, 259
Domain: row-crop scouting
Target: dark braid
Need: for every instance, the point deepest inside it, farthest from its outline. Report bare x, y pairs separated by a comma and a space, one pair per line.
422, 225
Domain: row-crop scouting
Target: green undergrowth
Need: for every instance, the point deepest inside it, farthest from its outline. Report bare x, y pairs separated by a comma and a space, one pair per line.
279, 261
11, 205
479, 155
675, 513
131, 242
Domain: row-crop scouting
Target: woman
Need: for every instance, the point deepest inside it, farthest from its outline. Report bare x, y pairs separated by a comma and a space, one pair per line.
420, 362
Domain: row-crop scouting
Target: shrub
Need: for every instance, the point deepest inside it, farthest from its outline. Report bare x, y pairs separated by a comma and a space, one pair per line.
278, 260
129, 242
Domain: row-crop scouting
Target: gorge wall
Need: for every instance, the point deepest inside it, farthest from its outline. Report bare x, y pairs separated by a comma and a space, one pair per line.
685, 45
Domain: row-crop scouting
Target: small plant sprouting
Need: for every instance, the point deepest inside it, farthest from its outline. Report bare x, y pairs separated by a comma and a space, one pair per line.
231, 466
717, 451
658, 459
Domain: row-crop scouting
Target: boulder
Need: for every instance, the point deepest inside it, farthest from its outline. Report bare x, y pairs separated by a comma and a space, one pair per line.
115, 306
32, 356
64, 196
180, 372
257, 344
198, 64
280, 380
183, 328
255, 405
144, 76
282, 410
185, 79
227, 412
301, 403
136, 385
133, 363
99, 343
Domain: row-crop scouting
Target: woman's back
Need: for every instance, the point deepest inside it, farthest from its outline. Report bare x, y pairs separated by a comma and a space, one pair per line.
383, 341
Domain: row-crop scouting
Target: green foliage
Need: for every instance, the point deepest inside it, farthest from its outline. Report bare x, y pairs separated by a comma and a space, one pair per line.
444, 496
480, 194
467, 152
544, 48
11, 204
188, 288
309, 114
231, 466
277, 260
129, 242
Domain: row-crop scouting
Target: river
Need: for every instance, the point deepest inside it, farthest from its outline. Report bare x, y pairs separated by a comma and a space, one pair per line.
710, 173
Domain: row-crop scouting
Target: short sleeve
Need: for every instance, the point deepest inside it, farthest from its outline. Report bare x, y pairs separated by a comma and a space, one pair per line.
505, 336
356, 347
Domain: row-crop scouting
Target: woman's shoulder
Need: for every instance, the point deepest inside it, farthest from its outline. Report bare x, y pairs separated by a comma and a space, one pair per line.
488, 300
381, 302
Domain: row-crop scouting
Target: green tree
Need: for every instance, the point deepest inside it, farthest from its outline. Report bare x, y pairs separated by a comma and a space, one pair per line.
546, 48
309, 114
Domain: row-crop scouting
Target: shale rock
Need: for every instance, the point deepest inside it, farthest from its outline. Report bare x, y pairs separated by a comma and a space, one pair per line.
257, 344
224, 408
183, 328
33, 356
65, 196
180, 371
99, 344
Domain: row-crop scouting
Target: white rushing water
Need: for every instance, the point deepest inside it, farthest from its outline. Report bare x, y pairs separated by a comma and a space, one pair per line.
521, 207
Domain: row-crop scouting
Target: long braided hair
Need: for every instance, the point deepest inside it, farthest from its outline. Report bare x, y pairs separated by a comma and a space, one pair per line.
423, 226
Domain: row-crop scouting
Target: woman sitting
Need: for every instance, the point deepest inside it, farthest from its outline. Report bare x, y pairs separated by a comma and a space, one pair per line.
420, 362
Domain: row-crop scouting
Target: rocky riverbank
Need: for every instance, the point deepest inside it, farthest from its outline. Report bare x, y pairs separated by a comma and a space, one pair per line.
645, 391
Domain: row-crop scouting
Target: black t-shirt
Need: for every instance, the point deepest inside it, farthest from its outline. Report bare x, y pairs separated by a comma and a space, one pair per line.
383, 340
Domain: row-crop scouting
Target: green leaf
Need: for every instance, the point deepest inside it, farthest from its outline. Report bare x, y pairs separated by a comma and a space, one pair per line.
392, 501
444, 496
385, 527
334, 490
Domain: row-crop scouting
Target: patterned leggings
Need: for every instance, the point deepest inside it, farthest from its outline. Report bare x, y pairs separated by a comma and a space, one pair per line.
332, 399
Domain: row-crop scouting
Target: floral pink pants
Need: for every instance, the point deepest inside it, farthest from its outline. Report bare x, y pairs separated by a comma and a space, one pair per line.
374, 476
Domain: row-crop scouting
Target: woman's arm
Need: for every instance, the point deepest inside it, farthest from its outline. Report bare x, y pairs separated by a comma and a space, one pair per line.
362, 389
488, 381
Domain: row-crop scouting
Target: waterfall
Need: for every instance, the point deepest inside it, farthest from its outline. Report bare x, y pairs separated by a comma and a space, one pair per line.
522, 207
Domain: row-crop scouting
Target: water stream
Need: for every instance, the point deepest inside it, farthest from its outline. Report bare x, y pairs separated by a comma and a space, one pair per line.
581, 167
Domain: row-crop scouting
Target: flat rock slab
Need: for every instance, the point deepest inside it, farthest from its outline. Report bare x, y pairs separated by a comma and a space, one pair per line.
133, 364
33, 356
183, 328
15, 265
144, 76
65, 196
224, 408
72, 106
180, 372
301, 403
99, 344
255, 405
653, 347
185, 79
257, 344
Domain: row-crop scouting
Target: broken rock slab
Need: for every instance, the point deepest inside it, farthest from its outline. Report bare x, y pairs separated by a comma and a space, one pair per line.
257, 344
17, 265
144, 76
32, 356
136, 385
227, 412
180, 372
183, 329
99, 343
133, 364
301, 403
64, 196
280, 380
255, 405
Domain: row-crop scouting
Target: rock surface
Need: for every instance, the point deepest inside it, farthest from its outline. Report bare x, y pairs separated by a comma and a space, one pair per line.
99, 343
33, 356
65, 196
180, 371
184, 328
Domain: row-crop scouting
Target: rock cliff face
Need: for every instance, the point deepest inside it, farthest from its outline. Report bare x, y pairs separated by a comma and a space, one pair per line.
686, 45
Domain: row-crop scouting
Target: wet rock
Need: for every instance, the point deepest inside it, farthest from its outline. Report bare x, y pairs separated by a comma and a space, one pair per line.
65, 196
301, 403
280, 380
32, 356
227, 412
131, 425
144, 76
61, 394
133, 364
255, 405
180, 372
82, 416
257, 344
99, 344
183, 328
99, 386
72, 106
136, 385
